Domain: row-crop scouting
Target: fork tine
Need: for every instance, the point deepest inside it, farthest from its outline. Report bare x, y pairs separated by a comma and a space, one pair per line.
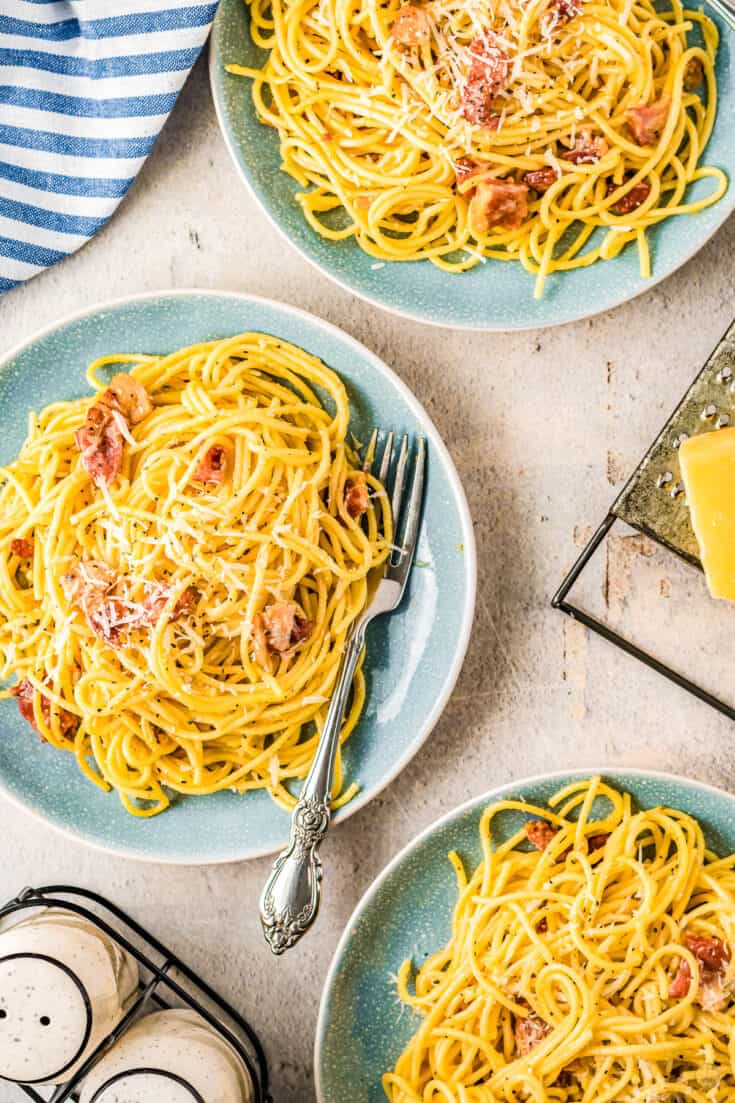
386, 461
367, 463
413, 509
400, 482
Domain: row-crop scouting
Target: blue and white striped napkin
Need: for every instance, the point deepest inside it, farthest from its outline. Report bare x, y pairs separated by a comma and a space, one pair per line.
85, 87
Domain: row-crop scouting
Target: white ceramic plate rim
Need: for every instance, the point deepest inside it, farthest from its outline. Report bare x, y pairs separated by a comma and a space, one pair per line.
437, 825
580, 316
468, 539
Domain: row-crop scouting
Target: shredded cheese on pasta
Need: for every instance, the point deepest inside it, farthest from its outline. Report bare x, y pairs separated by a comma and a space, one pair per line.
595, 969
373, 130
181, 704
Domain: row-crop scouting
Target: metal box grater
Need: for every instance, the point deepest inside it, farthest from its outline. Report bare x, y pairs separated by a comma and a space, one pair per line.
653, 500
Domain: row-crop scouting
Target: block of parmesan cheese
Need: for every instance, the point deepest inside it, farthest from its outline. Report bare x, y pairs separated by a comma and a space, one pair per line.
708, 470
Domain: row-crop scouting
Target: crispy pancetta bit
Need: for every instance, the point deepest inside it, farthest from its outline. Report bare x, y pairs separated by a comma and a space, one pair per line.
213, 466
25, 693
713, 957
100, 439
487, 76
280, 629
357, 495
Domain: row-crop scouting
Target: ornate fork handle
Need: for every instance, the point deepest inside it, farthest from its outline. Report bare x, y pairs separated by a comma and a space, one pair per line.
290, 899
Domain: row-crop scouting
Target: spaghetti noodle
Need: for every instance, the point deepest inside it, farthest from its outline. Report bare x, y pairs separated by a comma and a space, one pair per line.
594, 967
182, 558
550, 132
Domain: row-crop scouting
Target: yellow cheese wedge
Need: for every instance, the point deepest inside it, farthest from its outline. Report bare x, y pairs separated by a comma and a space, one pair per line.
708, 469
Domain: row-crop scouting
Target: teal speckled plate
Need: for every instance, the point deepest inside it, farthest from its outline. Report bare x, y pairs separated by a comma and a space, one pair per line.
407, 912
495, 295
413, 657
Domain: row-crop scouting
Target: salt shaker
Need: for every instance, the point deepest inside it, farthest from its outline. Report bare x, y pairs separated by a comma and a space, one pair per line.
64, 986
171, 1056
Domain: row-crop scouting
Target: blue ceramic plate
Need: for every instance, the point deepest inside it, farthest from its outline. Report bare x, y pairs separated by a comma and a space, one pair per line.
413, 656
495, 295
406, 913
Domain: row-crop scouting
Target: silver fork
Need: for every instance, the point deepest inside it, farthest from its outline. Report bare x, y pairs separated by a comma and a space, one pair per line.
726, 10
290, 899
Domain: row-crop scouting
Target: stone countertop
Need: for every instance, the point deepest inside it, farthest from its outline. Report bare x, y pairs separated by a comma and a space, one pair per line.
543, 427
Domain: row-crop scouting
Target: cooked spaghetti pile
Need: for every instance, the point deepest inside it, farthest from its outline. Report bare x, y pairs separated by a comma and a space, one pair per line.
594, 964
182, 557
462, 130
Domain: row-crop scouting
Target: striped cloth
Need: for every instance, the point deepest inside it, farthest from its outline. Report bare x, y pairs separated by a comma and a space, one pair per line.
85, 87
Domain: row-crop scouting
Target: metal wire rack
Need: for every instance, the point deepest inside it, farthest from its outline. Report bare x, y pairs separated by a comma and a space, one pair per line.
166, 981
653, 503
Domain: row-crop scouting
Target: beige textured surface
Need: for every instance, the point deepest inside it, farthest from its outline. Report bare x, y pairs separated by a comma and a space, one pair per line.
540, 425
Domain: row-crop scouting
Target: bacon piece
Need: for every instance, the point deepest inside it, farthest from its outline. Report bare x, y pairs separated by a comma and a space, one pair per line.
466, 171
25, 692
632, 200
187, 601
711, 953
213, 467
464, 168
128, 397
588, 148
280, 628
87, 575
693, 75
568, 9
500, 204
530, 1032
89, 584
412, 26
540, 179
558, 13
713, 957
155, 603
22, 547
110, 616
100, 441
596, 842
285, 626
540, 833
486, 77
357, 498
681, 983
648, 120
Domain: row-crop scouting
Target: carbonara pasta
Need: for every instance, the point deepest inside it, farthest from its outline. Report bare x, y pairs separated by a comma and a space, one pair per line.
550, 132
182, 557
593, 966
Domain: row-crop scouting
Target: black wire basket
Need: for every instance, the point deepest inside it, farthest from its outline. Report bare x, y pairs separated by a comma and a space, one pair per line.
165, 982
